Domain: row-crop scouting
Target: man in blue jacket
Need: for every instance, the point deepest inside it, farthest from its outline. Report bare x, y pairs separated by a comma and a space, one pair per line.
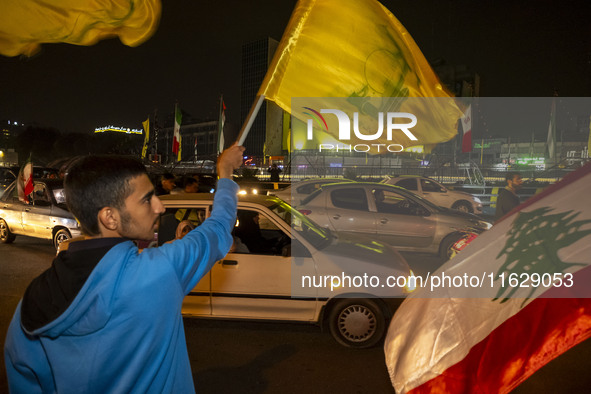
106, 318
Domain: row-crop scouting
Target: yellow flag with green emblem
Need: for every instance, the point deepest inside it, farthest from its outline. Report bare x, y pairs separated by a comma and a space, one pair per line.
358, 49
26, 24
146, 125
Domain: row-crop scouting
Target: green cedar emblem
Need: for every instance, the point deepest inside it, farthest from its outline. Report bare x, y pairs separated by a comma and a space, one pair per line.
533, 244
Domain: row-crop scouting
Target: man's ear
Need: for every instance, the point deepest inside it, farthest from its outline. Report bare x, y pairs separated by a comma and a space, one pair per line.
109, 219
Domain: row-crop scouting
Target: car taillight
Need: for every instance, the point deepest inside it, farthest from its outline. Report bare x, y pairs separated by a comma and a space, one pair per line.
305, 211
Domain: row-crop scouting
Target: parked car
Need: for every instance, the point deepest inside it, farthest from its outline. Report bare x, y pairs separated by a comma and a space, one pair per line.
45, 217
295, 193
437, 193
268, 280
390, 214
9, 174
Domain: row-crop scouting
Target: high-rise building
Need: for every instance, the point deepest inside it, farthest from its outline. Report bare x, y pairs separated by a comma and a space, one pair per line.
265, 135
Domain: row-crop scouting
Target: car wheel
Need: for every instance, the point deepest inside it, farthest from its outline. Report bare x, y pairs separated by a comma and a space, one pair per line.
462, 206
5, 235
358, 323
446, 247
60, 236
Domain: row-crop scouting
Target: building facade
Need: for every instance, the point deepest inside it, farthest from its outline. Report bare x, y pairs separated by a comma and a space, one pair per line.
265, 136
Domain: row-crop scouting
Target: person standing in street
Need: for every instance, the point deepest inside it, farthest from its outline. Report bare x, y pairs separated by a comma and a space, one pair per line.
274, 171
105, 318
508, 198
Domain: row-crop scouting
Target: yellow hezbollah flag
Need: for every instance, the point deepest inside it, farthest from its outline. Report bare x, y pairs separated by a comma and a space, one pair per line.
25, 24
146, 125
358, 49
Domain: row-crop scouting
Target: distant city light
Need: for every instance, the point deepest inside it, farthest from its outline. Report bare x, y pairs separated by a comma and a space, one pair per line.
118, 129
415, 149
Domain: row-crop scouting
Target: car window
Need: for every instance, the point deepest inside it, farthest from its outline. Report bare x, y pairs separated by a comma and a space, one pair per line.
40, 193
60, 196
256, 233
311, 197
307, 189
350, 198
430, 186
317, 236
408, 183
176, 222
390, 201
6, 176
14, 194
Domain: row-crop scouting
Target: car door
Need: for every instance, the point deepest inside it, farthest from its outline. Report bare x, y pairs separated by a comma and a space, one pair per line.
435, 193
257, 285
348, 210
12, 209
400, 220
37, 216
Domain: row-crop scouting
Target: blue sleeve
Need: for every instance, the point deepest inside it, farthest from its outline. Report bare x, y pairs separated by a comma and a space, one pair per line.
194, 255
27, 369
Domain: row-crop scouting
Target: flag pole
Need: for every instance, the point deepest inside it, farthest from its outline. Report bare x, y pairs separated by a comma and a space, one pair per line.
254, 110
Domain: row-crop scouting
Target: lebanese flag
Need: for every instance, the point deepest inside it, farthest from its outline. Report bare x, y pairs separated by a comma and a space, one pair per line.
176, 140
467, 130
25, 181
490, 338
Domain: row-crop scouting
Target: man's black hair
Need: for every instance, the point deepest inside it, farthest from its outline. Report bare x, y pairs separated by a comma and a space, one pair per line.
190, 181
510, 175
167, 175
95, 182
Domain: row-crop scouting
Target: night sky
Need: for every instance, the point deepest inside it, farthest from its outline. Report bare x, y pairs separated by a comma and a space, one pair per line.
520, 49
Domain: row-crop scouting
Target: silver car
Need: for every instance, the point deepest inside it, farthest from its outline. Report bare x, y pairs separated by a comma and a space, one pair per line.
45, 217
390, 214
278, 267
437, 193
295, 193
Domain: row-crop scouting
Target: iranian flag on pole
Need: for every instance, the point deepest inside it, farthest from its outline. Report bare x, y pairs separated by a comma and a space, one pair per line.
176, 140
222, 120
25, 181
524, 300
467, 131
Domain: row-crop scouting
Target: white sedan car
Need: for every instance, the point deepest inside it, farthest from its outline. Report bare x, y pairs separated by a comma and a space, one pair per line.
285, 267
437, 193
44, 216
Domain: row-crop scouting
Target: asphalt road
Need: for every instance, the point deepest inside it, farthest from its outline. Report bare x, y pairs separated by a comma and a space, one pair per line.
248, 357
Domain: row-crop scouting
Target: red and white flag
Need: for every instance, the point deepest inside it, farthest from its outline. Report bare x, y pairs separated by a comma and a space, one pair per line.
25, 181
536, 263
467, 130
222, 121
176, 140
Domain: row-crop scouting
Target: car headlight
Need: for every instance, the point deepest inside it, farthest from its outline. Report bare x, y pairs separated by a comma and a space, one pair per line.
411, 283
477, 200
484, 224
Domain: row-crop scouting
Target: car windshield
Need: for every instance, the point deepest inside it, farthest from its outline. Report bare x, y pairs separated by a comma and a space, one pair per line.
317, 236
